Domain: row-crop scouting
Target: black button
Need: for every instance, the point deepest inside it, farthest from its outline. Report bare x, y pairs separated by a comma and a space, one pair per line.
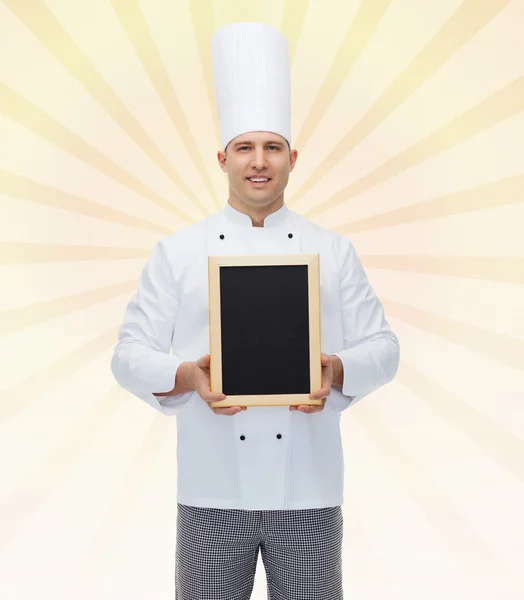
242, 437
221, 236
289, 235
279, 435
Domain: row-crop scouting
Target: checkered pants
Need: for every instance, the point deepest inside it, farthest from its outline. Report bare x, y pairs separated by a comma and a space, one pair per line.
217, 552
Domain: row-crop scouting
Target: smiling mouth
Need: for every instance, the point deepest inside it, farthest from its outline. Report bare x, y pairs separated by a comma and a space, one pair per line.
259, 181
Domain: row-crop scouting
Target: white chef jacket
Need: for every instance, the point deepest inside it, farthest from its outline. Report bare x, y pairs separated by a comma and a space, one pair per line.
264, 458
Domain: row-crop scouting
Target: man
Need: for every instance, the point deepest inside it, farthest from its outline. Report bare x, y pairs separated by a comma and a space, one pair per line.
263, 478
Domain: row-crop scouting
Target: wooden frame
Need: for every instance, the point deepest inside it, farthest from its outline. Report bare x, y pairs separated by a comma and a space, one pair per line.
311, 261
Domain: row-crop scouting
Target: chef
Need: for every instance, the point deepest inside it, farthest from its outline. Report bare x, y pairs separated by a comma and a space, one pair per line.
266, 479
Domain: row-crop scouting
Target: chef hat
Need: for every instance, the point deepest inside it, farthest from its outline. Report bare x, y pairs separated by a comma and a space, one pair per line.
252, 82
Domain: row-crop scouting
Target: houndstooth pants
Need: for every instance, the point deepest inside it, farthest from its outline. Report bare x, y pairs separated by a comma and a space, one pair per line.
217, 552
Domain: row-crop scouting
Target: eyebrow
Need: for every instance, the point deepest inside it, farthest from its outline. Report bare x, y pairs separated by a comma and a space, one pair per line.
249, 142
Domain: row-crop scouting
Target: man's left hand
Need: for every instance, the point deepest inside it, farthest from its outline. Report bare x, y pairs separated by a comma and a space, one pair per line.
327, 380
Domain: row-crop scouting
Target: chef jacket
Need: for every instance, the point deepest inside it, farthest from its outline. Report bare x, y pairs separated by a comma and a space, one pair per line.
267, 457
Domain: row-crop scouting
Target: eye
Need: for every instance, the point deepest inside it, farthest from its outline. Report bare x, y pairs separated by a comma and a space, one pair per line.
242, 147
275, 147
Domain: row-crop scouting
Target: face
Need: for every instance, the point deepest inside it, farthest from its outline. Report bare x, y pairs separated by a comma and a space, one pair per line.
258, 154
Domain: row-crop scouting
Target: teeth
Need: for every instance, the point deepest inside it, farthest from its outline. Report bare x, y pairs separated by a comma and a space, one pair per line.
258, 179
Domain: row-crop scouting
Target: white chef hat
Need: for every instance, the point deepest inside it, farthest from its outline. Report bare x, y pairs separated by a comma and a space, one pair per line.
252, 81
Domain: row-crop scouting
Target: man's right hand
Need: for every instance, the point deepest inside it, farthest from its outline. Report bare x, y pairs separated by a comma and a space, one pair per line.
197, 375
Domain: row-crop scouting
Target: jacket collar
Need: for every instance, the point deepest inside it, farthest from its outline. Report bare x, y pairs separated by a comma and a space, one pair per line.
273, 220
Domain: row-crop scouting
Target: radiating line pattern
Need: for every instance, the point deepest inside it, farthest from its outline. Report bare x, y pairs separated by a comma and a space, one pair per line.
41, 21
293, 18
28, 498
461, 26
136, 28
358, 35
500, 347
20, 396
202, 15
34, 314
120, 513
501, 106
477, 267
490, 195
27, 114
434, 476
506, 448
463, 541
13, 253
25, 188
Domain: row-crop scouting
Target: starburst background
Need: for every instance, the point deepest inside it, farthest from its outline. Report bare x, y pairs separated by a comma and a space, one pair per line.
409, 119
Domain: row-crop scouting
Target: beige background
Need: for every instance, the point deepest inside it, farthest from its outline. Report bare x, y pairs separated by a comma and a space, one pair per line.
408, 117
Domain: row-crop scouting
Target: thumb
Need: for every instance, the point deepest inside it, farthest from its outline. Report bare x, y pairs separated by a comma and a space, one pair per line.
204, 361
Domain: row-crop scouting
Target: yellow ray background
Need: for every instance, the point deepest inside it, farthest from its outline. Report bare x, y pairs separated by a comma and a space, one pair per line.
24, 252
502, 105
461, 26
27, 189
490, 195
136, 28
44, 25
23, 111
109, 134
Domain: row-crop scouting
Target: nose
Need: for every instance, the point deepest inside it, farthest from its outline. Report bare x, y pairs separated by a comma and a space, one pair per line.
259, 159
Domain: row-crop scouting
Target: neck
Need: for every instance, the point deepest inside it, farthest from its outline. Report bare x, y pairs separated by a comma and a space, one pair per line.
257, 214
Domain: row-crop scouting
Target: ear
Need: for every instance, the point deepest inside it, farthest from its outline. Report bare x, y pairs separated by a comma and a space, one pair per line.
222, 160
293, 155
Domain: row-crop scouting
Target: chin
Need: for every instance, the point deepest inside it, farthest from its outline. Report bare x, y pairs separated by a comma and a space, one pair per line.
256, 200
260, 201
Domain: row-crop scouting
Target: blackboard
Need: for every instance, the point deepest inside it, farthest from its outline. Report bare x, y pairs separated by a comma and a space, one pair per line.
264, 329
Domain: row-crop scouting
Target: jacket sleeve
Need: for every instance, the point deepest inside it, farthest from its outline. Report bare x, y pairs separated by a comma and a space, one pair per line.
371, 352
141, 362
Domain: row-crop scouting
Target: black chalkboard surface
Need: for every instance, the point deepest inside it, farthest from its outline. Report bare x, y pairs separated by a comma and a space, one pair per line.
264, 328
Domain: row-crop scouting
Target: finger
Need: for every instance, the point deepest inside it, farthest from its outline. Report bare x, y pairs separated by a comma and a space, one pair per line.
316, 407
325, 390
230, 410
306, 408
322, 393
203, 361
208, 396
